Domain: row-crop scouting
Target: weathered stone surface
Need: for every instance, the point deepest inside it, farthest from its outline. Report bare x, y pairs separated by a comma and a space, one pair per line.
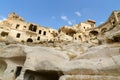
100, 60
11, 51
89, 77
43, 58
94, 57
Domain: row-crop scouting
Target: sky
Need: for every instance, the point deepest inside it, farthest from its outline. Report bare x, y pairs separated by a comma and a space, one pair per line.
57, 13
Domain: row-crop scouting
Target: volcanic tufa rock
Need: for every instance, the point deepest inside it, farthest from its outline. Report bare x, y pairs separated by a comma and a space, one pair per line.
97, 57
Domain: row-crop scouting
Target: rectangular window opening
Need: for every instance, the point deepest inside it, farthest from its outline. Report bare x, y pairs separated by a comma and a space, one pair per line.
33, 27
18, 71
38, 38
18, 35
44, 33
40, 31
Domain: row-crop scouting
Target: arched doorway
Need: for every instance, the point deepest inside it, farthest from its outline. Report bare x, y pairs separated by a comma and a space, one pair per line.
94, 33
29, 40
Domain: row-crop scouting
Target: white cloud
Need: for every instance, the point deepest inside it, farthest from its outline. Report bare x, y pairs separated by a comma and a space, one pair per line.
78, 13
101, 22
70, 22
64, 18
2, 18
53, 17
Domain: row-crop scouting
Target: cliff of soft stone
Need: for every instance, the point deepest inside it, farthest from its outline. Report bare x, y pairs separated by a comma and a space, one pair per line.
64, 60
102, 61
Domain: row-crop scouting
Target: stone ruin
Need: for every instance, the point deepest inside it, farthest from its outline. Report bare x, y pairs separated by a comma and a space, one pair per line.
90, 54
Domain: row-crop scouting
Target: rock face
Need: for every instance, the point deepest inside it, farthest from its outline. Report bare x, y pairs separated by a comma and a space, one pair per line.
22, 62
98, 58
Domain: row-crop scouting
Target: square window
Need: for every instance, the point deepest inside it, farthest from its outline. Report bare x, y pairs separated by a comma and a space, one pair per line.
44, 33
38, 38
18, 35
40, 31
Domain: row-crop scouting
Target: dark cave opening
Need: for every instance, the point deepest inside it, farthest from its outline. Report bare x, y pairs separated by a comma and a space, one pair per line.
42, 75
116, 39
18, 71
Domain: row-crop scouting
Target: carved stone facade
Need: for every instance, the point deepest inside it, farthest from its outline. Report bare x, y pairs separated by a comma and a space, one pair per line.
16, 29
90, 53
20, 31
